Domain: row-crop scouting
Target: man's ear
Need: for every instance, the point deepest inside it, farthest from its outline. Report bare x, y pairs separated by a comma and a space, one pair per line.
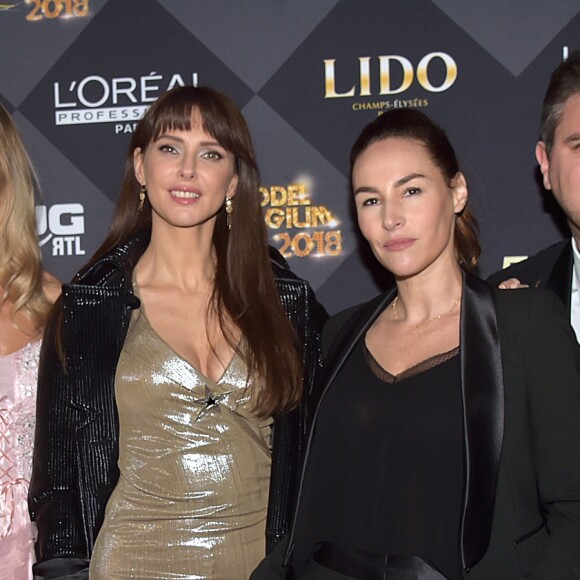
544, 163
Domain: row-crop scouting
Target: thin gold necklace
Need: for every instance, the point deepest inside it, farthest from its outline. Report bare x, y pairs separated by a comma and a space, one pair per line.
420, 324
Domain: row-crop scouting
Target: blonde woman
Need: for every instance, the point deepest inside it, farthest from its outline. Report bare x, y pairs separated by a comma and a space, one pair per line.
26, 294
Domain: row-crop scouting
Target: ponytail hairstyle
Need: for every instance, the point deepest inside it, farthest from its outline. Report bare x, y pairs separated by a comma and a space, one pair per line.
412, 124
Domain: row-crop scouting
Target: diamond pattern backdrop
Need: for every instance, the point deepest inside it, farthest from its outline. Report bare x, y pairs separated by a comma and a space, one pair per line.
77, 74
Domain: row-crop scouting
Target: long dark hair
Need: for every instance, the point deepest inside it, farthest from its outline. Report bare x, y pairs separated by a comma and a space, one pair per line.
413, 124
245, 290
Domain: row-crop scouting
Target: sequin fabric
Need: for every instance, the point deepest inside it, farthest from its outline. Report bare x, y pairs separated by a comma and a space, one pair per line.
191, 500
17, 417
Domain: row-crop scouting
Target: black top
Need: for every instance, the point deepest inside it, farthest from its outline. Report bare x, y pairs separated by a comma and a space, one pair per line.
385, 473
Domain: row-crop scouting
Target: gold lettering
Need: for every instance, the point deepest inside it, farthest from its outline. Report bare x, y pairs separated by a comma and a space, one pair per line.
509, 260
385, 74
320, 215
297, 194
330, 83
293, 218
365, 76
278, 196
450, 75
274, 218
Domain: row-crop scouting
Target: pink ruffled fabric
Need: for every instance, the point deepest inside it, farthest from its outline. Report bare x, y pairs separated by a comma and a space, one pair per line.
17, 420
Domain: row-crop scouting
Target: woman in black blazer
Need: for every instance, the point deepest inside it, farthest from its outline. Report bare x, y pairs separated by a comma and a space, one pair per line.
446, 441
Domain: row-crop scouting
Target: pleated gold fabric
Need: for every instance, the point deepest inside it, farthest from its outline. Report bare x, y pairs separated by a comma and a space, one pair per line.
191, 500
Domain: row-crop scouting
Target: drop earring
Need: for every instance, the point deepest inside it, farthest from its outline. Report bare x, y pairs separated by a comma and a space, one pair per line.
229, 211
142, 196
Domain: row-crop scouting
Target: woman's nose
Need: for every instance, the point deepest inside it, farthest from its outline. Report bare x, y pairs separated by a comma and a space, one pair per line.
392, 219
187, 169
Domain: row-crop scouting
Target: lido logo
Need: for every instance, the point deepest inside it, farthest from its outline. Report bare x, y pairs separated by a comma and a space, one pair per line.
409, 72
62, 224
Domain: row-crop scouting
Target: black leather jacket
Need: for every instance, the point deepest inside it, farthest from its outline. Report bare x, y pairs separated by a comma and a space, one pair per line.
76, 442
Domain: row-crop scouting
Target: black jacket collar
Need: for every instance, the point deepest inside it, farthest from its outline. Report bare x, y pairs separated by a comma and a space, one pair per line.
115, 268
560, 280
483, 402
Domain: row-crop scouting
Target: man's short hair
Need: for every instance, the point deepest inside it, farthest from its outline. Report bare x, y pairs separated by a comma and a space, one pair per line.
564, 83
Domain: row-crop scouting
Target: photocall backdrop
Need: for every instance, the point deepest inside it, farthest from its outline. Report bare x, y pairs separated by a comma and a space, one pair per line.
308, 75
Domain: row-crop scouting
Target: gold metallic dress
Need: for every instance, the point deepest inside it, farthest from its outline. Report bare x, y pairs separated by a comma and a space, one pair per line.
195, 466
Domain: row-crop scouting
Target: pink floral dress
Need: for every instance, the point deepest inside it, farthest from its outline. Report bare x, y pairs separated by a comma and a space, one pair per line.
18, 373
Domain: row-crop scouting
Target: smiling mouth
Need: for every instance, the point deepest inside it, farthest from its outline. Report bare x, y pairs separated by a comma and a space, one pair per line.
185, 194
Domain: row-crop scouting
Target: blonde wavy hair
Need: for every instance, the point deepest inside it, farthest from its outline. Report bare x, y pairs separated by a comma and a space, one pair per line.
20, 258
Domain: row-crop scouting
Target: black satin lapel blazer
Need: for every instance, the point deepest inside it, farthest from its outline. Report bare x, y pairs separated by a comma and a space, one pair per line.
550, 268
483, 402
560, 279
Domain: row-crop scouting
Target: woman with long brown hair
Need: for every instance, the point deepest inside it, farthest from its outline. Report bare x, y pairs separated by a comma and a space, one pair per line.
26, 294
152, 454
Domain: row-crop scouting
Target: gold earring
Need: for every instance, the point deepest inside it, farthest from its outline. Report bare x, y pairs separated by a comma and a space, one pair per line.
229, 211
142, 195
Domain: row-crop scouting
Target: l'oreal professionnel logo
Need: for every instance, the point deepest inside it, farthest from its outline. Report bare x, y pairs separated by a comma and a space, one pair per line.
96, 99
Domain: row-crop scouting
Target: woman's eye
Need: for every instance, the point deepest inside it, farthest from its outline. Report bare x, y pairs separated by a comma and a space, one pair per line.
167, 148
370, 201
212, 155
412, 191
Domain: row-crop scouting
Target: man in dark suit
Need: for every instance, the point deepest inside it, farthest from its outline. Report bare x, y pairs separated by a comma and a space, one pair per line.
558, 153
